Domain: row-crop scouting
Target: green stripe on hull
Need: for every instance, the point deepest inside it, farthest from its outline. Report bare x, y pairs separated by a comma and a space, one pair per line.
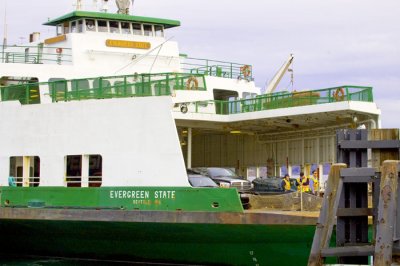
211, 244
128, 198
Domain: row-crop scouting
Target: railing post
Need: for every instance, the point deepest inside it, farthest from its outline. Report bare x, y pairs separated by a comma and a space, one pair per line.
27, 93
167, 90
100, 92
347, 94
125, 87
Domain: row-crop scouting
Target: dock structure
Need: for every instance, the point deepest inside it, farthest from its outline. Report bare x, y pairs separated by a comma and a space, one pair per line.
368, 164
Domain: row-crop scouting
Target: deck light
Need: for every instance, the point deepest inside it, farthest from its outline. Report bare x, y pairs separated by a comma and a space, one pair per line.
235, 132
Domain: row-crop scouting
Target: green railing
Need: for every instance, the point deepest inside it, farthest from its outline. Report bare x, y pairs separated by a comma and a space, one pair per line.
217, 68
284, 100
36, 55
137, 85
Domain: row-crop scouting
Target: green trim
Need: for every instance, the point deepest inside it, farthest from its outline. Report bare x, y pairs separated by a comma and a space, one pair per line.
126, 198
167, 23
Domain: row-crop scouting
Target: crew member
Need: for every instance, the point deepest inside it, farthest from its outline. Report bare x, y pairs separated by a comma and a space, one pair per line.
314, 183
286, 183
303, 183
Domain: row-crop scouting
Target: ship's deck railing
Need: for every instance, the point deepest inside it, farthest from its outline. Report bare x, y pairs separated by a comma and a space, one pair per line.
137, 85
38, 54
284, 100
216, 68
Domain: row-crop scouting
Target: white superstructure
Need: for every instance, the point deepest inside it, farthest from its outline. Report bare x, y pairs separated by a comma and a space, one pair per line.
75, 94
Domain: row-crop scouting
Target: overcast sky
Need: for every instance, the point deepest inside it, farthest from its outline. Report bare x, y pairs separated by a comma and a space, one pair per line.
335, 42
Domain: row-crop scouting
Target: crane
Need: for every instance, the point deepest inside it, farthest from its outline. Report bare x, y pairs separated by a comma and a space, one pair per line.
279, 75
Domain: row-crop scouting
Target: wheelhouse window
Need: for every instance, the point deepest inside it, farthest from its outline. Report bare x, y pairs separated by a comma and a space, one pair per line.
90, 25
73, 26
59, 29
83, 170
80, 25
126, 28
159, 31
148, 30
114, 27
102, 25
137, 29
66, 27
24, 171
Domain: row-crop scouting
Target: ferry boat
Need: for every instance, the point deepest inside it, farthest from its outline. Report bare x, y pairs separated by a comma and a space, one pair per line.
100, 122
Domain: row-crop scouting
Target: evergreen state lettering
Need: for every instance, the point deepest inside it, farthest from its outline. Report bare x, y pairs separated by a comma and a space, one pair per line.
142, 194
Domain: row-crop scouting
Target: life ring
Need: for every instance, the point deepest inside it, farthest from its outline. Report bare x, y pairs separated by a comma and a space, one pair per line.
245, 70
59, 50
338, 95
192, 83
90, 26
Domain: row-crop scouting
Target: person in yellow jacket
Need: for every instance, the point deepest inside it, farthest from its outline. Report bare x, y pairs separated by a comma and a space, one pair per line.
303, 183
286, 186
314, 183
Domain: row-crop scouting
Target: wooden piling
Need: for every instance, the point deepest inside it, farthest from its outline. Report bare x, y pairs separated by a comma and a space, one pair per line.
327, 216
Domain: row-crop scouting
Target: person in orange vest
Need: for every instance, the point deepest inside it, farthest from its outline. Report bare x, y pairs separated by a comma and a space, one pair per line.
314, 183
286, 187
303, 183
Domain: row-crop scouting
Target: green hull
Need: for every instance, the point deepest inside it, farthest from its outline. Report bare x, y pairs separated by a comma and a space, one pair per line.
211, 244
176, 225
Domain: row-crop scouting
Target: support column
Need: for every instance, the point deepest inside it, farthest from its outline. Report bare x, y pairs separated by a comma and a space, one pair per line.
189, 148
26, 166
85, 171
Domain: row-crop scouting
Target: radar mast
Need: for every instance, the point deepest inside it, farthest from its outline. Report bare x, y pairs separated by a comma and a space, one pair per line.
123, 6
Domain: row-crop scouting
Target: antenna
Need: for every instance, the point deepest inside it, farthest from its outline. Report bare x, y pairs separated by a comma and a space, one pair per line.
79, 5
95, 5
5, 31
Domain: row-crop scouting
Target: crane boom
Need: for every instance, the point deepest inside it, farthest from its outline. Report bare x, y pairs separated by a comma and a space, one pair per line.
279, 75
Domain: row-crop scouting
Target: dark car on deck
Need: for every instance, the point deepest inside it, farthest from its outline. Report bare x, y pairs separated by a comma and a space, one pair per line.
225, 177
272, 185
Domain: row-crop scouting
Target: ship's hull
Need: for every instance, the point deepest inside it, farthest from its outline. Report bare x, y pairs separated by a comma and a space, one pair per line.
186, 243
190, 226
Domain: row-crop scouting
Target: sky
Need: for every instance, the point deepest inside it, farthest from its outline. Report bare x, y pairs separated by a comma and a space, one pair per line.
334, 42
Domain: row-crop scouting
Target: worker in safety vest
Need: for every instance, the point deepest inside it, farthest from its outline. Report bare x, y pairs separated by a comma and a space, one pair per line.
303, 183
286, 183
314, 183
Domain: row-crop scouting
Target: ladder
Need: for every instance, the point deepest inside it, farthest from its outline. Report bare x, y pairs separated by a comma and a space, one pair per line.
345, 202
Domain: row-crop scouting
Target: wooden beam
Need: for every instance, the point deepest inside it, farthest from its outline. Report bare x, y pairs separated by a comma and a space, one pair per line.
326, 220
386, 214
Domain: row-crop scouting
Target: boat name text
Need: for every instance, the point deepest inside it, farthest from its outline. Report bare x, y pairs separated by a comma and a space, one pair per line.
128, 44
141, 194
55, 39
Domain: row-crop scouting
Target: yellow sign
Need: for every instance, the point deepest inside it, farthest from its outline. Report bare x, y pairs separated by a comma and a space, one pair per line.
128, 44
55, 39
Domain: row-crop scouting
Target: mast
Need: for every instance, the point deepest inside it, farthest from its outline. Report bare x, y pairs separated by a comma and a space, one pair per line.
5, 32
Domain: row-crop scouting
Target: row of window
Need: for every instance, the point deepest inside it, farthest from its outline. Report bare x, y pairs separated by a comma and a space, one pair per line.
94, 25
25, 171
